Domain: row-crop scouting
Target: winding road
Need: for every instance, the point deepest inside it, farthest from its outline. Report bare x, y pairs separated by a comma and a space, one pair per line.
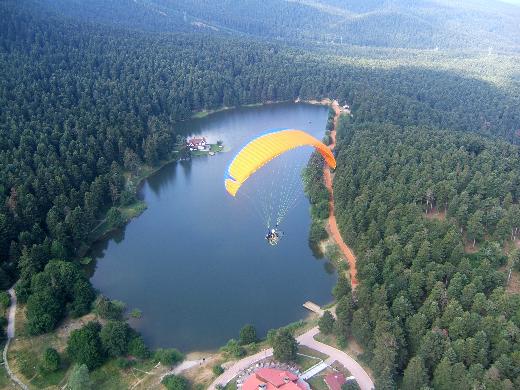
307, 339
362, 378
11, 316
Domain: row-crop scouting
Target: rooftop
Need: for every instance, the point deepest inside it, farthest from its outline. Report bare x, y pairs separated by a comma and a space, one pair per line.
197, 141
273, 379
335, 380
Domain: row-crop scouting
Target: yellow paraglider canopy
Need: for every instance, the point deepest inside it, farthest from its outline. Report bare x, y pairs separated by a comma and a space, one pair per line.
266, 147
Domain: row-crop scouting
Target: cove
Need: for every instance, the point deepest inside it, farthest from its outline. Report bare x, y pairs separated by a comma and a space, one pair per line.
196, 263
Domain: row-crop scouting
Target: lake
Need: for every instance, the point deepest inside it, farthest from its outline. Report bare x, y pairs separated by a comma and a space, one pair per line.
196, 262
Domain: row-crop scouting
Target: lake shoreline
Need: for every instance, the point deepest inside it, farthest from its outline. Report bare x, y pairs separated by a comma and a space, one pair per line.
139, 206
138, 181
135, 209
136, 185
204, 113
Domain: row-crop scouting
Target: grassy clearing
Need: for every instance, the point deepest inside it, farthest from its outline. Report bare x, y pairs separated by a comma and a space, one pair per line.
231, 386
305, 362
216, 148
128, 213
340, 368
513, 286
213, 148
328, 339
26, 351
312, 352
436, 214
24, 357
200, 377
5, 382
134, 179
107, 377
205, 113
317, 383
352, 348
332, 252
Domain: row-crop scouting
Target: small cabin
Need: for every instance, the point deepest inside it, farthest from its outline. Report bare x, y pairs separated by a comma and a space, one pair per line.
198, 144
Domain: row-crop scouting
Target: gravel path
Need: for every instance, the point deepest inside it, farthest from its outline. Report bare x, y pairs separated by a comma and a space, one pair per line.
11, 317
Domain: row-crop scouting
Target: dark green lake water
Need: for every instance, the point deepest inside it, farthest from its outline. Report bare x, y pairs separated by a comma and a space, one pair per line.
196, 263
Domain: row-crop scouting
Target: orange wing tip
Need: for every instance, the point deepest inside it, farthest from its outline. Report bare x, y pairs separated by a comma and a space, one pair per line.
232, 186
329, 157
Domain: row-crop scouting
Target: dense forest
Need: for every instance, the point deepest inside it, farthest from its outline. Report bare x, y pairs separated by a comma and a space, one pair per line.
83, 104
425, 24
432, 216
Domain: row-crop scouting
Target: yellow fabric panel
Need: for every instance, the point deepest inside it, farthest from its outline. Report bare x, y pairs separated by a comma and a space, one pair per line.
263, 149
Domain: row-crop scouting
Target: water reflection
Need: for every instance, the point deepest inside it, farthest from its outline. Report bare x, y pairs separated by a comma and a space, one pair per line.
196, 263
186, 167
163, 178
329, 268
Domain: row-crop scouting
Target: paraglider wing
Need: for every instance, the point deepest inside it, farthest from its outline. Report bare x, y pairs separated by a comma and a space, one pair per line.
266, 147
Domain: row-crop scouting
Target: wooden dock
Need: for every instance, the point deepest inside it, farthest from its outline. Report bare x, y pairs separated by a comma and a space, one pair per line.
313, 307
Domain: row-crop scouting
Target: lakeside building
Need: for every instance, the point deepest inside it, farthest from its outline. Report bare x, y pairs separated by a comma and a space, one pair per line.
274, 379
198, 144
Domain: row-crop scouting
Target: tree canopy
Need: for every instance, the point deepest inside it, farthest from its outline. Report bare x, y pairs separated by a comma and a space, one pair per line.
430, 214
84, 346
284, 346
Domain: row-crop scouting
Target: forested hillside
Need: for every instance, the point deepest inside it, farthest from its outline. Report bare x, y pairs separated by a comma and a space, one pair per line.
425, 24
83, 103
91, 91
432, 216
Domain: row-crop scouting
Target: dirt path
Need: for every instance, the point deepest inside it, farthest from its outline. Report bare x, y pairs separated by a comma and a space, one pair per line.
10, 335
333, 226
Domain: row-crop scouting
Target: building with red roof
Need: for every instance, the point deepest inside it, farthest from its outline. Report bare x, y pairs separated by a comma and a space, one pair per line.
274, 379
197, 143
335, 380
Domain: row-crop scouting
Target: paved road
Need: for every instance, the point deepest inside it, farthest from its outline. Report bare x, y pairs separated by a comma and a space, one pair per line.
307, 339
364, 381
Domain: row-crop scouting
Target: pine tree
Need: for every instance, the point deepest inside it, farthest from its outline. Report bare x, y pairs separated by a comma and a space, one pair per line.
415, 375
326, 323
